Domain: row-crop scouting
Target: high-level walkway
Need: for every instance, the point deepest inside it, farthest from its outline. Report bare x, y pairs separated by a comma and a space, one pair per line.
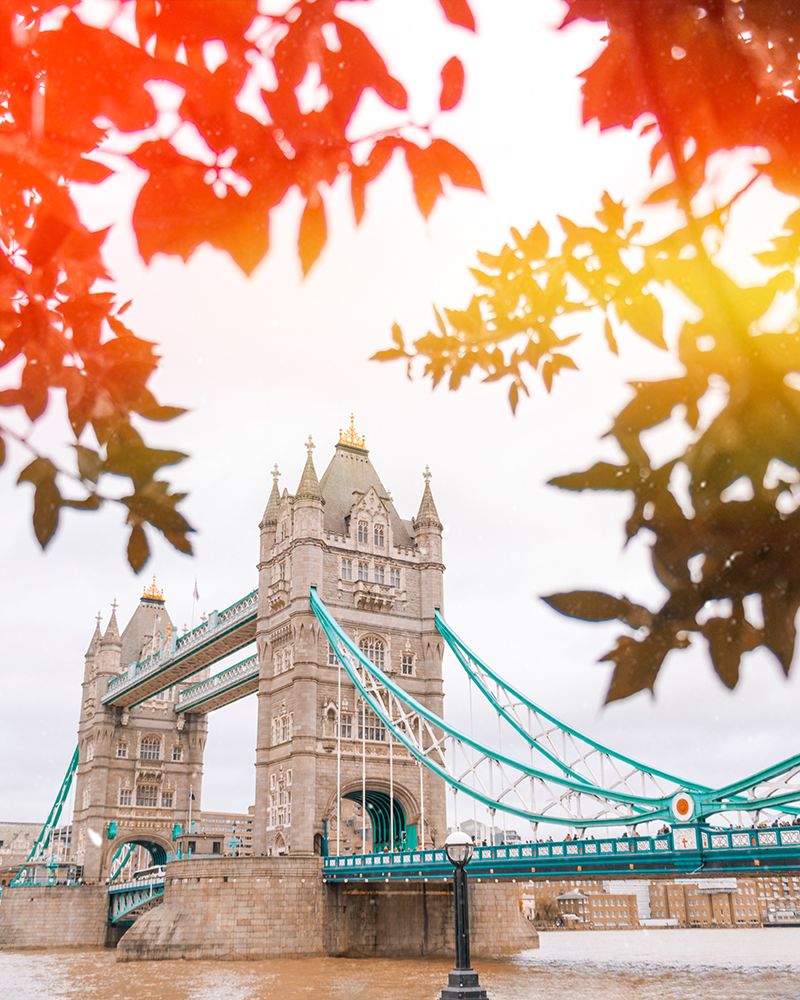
223, 632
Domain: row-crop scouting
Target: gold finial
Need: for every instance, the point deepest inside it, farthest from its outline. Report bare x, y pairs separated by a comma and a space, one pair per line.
351, 438
153, 592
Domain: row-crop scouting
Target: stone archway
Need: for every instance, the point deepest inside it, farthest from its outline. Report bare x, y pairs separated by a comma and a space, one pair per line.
391, 818
159, 848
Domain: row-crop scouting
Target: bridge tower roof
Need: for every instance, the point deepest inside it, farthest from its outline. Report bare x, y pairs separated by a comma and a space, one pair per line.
349, 476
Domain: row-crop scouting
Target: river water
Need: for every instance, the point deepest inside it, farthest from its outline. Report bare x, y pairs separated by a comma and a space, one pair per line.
752, 964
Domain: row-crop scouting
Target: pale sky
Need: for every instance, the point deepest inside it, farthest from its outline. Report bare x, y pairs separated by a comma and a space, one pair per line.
263, 362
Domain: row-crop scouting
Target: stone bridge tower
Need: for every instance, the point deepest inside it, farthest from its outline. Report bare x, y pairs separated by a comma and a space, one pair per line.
382, 577
136, 766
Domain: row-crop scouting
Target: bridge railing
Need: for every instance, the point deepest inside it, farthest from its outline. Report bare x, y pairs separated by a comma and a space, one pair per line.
217, 622
219, 682
582, 852
157, 882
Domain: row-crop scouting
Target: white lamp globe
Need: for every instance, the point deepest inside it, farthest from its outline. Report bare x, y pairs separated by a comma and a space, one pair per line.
458, 847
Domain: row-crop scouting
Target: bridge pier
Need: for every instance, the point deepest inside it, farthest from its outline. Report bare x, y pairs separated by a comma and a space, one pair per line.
63, 916
267, 907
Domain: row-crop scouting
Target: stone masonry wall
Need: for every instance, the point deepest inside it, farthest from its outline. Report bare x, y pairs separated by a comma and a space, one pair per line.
233, 908
238, 908
54, 916
416, 919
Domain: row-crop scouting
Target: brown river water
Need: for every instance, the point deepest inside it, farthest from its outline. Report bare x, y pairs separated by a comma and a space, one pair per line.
752, 964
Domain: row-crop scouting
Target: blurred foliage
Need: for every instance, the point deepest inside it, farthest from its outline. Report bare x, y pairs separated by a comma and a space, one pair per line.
265, 107
697, 80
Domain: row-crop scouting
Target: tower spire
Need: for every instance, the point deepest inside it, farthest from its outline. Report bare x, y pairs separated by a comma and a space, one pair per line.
111, 634
427, 515
94, 642
273, 503
309, 484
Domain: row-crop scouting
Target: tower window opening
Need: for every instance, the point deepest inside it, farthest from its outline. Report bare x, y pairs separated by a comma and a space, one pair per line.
347, 569
394, 578
370, 727
150, 748
167, 799
332, 661
379, 535
125, 797
380, 573
282, 727
122, 750
147, 795
363, 532
374, 648
344, 725
407, 664
363, 571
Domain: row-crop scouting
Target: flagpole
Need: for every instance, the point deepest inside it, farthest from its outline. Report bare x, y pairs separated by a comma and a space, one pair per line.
191, 799
195, 599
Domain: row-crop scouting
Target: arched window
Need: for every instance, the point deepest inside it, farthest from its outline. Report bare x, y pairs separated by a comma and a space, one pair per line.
379, 535
150, 748
374, 648
363, 532
122, 749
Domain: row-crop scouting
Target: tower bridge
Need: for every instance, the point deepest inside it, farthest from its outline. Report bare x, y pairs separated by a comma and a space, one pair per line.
342, 643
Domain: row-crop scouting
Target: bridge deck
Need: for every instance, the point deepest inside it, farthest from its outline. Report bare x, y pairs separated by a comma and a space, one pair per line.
223, 633
223, 688
695, 851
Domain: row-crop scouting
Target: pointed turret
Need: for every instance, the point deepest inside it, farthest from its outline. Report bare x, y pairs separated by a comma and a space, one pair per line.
273, 503
428, 515
111, 635
309, 484
94, 642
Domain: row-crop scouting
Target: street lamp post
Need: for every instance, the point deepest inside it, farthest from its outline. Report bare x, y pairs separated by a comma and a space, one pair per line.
462, 983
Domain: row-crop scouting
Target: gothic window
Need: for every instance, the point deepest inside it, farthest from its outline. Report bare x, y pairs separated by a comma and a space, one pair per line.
282, 726
177, 753
379, 535
150, 748
282, 660
363, 532
332, 660
363, 571
125, 797
380, 573
167, 799
407, 664
279, 809
147, 795
347, 569
374, 648
394, 577
346, 723
370, 727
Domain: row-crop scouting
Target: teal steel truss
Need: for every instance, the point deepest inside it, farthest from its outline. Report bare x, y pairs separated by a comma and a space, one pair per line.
567, 778
42, 850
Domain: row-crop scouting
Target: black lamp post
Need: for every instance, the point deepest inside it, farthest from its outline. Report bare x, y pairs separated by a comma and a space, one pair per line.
462, 983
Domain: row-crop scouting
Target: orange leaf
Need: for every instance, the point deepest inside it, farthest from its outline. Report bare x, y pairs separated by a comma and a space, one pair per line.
313, 233
452, 84
458, 12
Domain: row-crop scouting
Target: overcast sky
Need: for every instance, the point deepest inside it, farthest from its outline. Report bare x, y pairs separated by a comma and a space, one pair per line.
266, 361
